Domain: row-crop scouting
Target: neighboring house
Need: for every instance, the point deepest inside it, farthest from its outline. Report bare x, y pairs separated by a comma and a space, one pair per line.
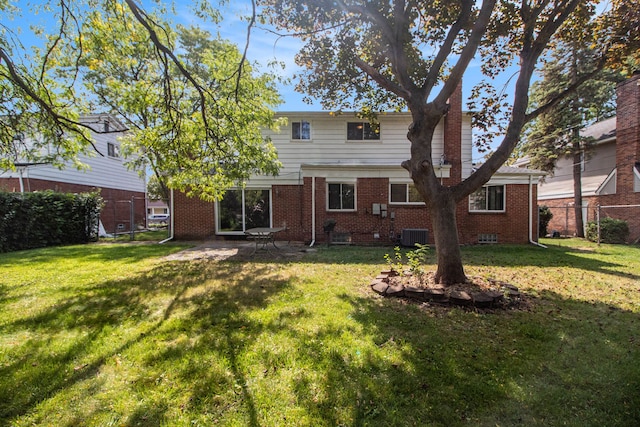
610, 171
157, 207
122, 189
337, 167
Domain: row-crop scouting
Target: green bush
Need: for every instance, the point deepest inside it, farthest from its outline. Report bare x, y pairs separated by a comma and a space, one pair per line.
544, 217
611, 230
34, 220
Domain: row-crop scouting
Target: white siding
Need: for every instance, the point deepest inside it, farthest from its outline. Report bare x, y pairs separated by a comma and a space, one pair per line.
329, 143
103, 172
597, 168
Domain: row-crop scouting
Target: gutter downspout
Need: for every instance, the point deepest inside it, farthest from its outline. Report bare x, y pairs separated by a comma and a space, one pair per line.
313, 211
533, 242
171, 218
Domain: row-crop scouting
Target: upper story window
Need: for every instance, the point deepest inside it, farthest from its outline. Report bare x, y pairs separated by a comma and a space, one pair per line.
490, 198
341, 197
113, 150
363, 131
106, 126
404, 193
301, 130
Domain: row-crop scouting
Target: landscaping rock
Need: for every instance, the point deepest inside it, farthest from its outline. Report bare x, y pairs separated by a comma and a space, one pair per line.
395, 291
497, 296
416, 293
460, 298
379, 287
473, 294
435, 294
482, 299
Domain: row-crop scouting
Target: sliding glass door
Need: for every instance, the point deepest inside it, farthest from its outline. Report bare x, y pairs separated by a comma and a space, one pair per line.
243, 209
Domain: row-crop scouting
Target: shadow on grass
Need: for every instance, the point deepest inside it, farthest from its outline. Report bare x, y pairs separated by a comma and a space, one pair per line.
576, 363
135, 251
195, 330
72, 341
496, 255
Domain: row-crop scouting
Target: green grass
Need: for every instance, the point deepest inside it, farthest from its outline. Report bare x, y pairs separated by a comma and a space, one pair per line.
112, 334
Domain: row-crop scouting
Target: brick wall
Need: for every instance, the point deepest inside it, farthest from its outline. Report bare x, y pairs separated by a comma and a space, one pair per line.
194, 219
627, 133
289, 211
117, 209
511, 226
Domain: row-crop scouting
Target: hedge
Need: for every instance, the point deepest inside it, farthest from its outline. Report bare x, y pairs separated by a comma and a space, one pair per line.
47, 218
611, 230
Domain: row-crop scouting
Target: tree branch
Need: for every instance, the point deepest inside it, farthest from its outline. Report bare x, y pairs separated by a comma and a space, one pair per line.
48, 107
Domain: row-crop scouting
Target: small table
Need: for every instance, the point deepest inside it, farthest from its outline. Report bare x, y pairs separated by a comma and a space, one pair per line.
263, 236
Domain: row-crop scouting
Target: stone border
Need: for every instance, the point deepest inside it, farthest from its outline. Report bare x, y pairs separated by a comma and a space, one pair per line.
504, 294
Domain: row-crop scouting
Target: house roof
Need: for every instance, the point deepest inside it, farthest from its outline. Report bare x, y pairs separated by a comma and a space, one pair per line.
601, 131
513, 170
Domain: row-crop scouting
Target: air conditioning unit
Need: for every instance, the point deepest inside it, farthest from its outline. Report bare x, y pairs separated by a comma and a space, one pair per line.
411, 236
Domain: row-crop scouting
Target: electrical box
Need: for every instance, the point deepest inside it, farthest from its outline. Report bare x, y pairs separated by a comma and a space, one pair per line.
376, 209
383, 210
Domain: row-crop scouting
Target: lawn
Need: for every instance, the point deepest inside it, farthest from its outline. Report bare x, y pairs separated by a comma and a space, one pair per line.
112, 334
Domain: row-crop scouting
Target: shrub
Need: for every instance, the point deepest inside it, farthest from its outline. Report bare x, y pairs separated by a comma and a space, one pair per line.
47, 218
544, 217
611, 230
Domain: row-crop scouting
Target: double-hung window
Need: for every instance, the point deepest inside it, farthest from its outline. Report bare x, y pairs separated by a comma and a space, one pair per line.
404, 193
301, 131
363, 131
341, 197
490, 198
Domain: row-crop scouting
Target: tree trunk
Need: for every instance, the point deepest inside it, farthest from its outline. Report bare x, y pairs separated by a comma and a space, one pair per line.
445, 232
577, 193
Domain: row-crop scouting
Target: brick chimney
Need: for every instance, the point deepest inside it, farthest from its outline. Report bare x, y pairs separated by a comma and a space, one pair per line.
627, 132
453, 136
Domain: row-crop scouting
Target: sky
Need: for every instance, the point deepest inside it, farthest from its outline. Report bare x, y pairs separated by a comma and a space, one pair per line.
266, 47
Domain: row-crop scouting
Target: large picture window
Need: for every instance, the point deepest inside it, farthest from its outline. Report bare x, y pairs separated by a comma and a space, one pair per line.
359, 131
341, 196
241, 210
301, 130
404, 193
489, 198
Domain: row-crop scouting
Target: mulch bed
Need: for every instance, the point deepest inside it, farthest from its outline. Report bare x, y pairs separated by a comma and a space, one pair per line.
476, 293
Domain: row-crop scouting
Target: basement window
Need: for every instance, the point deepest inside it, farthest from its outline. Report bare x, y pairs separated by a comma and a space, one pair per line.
488, 238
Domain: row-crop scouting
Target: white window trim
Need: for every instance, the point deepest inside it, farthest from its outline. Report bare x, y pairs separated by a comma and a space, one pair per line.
407, 203
240, 233
116, 149
355, 195
310, 131
363, 140
504, 200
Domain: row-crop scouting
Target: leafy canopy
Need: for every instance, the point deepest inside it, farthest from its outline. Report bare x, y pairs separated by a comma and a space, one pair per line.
193, 104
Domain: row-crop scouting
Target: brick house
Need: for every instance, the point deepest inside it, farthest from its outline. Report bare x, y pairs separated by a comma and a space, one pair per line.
339, 167
610, 172
119, 186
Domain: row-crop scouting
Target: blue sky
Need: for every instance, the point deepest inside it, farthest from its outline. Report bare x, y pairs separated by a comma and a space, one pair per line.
265, 46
